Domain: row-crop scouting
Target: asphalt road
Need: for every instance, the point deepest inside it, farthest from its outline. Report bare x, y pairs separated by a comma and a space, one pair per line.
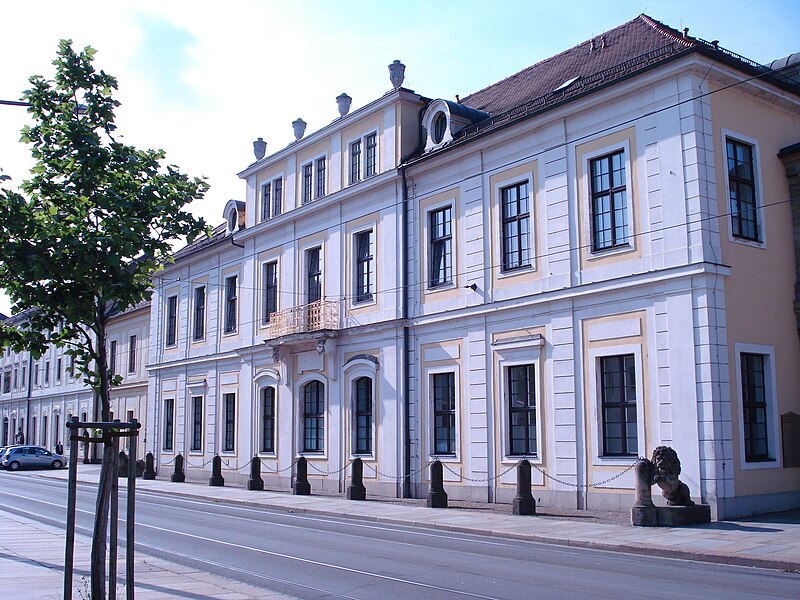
323, 557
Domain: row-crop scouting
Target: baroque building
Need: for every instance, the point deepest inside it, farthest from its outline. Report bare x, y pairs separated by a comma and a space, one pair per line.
586, 260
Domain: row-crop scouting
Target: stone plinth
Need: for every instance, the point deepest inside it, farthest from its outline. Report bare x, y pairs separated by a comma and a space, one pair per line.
670, 516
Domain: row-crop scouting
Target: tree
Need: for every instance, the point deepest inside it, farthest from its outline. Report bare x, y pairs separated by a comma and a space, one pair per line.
94, 223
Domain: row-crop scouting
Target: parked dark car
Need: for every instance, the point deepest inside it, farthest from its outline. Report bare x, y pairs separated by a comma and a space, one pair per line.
30, 457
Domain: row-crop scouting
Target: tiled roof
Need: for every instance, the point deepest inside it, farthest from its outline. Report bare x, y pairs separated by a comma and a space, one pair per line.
609, 57
202, 242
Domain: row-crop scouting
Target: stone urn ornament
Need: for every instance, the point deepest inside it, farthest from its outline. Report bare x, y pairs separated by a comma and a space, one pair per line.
260, 148
397, 73
343, 102
299, 127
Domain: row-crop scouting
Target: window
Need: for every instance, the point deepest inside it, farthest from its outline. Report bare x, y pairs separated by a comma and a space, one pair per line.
271, 198
516, 227
24, 383
441, 248
266, 198
229, 443
313, 275
268, 419
521, 394
444, 413
112, 358
363, 406
169, 406
199, 329
71, 367
308, 182
277, 197
313, 417
364, 266
754, 407
32, 439
609, 202
57, 427
14, 382
172, 321
618, 405
43, 441
270, 291
372, 154
58, 370
230, 303
321, 177
7, 382
742, 190
35, 373
132, 354
355, 161
46, 372
197, 423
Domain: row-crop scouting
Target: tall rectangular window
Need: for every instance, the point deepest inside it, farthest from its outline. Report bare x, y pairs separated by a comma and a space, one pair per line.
441, 246
364, 266
754, 407
197, 423
363, 415
169, 423
521, 393
172, 321
199, 316
7, 382
24, 383
308, 182
355, 161
321, 177
266, 199
618, 405
444, 413
609, 201
229, 443
59, 364
46, 372
230, 303
372, 154
313, 274
35, 373
516, 227
270, 291
277, 197
268, 419
43, 441
112, 358
15, 378
132, 354
742, 190
71, 367
313, 417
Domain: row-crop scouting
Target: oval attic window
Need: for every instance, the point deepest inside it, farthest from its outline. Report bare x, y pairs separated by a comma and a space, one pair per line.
439, 127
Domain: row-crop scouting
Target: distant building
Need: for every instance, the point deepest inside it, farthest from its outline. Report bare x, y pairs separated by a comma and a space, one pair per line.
588, 259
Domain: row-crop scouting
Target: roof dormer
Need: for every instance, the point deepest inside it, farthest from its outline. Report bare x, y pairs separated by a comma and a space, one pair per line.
443, 120
234, 215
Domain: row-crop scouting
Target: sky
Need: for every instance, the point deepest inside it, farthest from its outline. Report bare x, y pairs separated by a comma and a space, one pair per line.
203, 80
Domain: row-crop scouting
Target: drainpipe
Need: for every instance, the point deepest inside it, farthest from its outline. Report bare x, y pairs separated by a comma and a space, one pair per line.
406, 353
28, 401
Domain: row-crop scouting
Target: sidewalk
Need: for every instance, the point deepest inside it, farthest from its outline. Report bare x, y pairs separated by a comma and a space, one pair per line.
770, 541
32, 568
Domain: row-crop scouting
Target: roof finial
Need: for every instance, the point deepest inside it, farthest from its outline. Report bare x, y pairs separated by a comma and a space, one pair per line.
591, 46
686, 32
602, 42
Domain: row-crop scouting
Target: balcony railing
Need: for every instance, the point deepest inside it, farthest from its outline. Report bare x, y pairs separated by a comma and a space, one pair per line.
316, 316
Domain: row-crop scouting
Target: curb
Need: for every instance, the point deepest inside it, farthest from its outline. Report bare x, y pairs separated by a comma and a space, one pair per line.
655, 551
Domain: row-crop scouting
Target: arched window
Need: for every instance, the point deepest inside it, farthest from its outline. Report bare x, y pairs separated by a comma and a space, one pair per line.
268, 419
314, 417
363, 415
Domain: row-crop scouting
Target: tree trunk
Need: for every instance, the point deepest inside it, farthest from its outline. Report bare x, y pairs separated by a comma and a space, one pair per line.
98, 561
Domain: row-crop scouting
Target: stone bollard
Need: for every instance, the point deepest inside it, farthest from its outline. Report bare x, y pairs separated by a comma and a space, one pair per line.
255, 482
523, 503
356, 489
216, 480
86, 459
301, 485
178, 476
149, 468
643, 511
437, 497
140, 466
122, 470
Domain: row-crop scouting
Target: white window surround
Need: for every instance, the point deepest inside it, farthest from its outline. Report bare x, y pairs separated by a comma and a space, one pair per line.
497, 224
221, 422
762, 229
426, 245
429, 373
234, 216
522, 353
194, 389
174, 450
300, 434
586, 188
596, 423
773, 420
373, 226
314, 163
363, 166
354, 370
266, 378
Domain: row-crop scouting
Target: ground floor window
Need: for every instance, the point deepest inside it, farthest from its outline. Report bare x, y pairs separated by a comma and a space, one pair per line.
197, 423
314, 417
169, 421
618, 405
229, 406
268, 419
521, 394
754, 406
363, 415
444, 413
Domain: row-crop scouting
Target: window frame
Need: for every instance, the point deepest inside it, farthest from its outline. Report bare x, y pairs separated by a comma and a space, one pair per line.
196, 441
502, 189
112, 357
367, 416
171, 321
446, 239
199, 311
269, 291
307, 182
774, 458
453, 448
231, 305
267, 419
364, 294
228, 432
354, 160
318, 418
610, 193
511, 410
307, 273
370, 154
760, 215
168, 425
132, 341
320, 176
622, 405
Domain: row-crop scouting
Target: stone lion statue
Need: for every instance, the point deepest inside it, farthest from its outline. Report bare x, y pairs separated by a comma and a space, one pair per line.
667, 467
